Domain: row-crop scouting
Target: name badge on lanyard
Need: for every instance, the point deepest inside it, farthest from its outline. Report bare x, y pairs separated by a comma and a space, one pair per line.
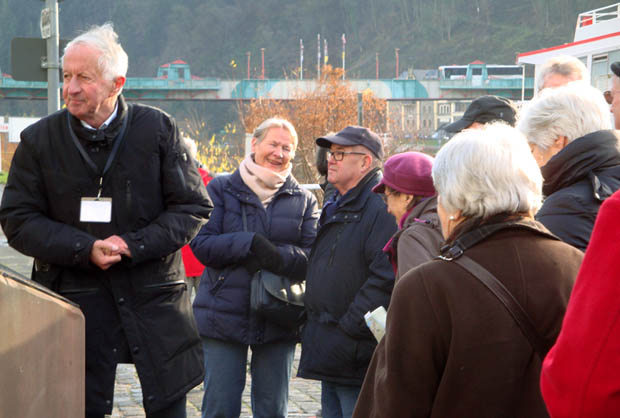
96, 209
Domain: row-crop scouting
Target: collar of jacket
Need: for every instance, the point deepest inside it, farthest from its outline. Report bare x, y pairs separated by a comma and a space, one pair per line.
355, 198
417, 211
107, 135
427, 205
237, 187
593, 152
472, 231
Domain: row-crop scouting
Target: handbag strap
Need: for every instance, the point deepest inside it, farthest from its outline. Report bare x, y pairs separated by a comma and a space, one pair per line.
500, 291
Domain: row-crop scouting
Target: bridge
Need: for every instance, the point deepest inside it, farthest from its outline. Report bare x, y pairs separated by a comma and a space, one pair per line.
174, 81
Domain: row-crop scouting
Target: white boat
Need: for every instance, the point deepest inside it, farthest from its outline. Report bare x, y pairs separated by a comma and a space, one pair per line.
596, 44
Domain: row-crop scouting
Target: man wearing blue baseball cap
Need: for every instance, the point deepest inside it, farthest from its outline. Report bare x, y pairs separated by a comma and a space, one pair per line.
348, 273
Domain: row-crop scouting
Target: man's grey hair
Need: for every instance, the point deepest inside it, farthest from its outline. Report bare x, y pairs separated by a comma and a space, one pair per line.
564, 65
486, 172
113, 61
263, 128
573, 110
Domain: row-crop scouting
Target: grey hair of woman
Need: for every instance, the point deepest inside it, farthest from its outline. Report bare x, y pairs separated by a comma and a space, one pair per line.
113, 61
573, 110
261, 131
486, 172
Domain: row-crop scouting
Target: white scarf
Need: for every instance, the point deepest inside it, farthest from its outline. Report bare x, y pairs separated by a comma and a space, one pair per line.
262, 181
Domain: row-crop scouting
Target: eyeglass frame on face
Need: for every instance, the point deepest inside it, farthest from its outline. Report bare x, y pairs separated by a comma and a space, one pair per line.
385, 195
333, 154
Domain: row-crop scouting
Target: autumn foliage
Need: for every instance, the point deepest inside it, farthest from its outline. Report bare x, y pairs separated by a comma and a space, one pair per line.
214, 151
329, 107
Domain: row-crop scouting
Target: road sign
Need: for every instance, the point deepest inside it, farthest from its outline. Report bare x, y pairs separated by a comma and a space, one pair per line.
28, 56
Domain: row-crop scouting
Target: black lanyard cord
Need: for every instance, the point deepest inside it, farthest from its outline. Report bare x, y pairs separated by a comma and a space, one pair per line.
117, 142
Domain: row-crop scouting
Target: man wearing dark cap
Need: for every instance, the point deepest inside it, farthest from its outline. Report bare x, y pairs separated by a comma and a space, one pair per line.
613, 96
348, 273
483, 110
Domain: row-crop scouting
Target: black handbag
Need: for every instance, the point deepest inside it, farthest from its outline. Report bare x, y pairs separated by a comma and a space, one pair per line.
274, 297
278, 299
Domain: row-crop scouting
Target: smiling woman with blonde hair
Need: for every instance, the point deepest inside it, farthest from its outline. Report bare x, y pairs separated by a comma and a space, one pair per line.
262, 220
452, 348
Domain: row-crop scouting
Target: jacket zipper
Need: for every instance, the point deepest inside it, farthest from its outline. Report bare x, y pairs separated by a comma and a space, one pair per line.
128, 197
332, 253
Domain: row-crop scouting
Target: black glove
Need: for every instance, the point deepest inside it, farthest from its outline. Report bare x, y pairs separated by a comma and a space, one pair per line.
251, 264
266, 254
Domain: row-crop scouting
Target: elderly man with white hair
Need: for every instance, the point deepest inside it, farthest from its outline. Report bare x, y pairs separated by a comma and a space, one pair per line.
103, 195
559, 71
569, 131
452, 348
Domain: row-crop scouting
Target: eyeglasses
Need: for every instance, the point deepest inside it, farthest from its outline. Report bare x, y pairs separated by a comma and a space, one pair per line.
339, 155
386, 194
608, 96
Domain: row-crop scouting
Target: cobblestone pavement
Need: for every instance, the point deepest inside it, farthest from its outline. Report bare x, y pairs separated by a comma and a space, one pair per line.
304, 396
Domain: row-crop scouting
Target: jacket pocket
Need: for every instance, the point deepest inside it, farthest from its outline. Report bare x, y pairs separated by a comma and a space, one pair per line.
216, 278
165, 316
331, 351
46, 275
165, 285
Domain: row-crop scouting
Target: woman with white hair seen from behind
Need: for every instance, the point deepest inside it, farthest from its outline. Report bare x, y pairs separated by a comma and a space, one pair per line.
451, 348
569, 131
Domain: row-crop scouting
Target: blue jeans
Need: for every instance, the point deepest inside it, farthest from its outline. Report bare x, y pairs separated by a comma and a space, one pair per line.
338, 401
225, 371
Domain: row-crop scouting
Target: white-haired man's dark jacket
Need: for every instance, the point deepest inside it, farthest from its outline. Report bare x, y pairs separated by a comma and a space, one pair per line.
138, 310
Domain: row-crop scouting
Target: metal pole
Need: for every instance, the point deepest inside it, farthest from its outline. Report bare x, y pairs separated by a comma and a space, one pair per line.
262, 63
523, 84
360, 109
318, 56
396, 52
53, 85
344, 52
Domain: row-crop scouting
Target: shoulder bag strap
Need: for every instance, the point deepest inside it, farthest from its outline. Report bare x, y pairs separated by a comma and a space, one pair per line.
244, 218
508, 300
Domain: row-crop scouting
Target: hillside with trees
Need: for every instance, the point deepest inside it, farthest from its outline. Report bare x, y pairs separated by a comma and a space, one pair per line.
214, 37
211, 35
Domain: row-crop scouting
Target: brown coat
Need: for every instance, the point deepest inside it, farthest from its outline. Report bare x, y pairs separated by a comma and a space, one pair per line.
452, 350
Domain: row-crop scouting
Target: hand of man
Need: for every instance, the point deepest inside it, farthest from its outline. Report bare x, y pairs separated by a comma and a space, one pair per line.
104, 254
122, 245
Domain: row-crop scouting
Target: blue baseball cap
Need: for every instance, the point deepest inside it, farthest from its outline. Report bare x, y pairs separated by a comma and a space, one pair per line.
354, 135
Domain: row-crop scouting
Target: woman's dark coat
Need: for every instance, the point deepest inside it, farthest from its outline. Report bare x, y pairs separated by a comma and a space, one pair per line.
348, 275
222, 304
139, 305
577, 180
452, 349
